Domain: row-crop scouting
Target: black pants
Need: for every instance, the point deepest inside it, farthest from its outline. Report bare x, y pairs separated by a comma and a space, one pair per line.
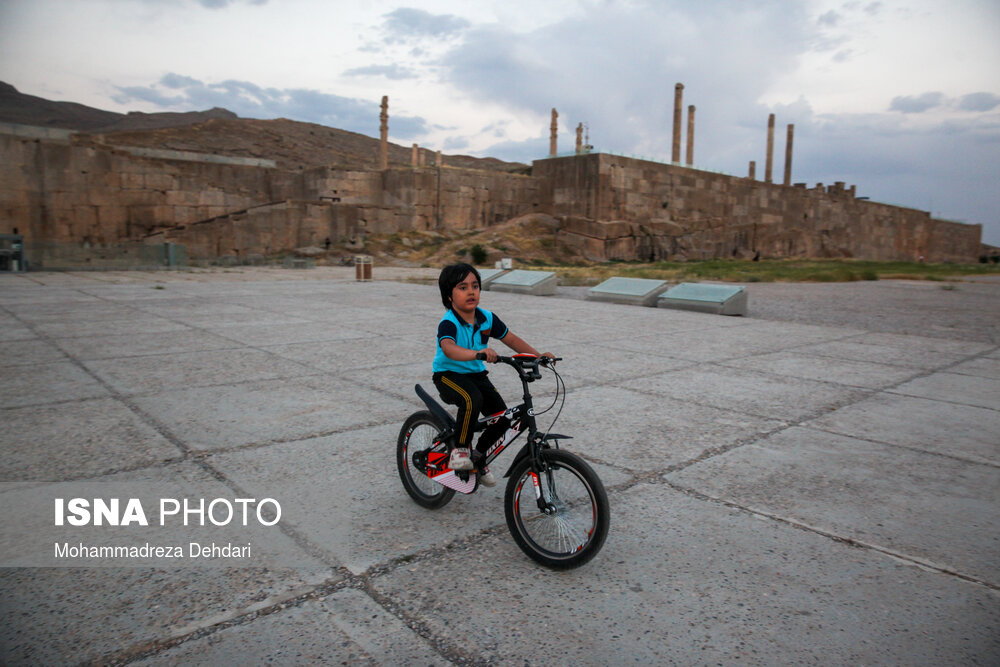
474, 394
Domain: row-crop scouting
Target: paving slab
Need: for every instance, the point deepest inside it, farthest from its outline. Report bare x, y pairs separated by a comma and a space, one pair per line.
353, 354
80, 311
77, 440
27, 352
157, 373
12, 330
684, 581
62, 615
141, 324
604, 423
961, 431
987, 367
716, 343
347, 628
587, 364
892, 349
207, 418
930, 507
955, 388
816, 367
751, 392
123, 346
57, 616
39, 384
257, 335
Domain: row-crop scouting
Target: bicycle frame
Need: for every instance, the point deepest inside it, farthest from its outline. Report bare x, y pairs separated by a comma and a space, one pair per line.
522, 420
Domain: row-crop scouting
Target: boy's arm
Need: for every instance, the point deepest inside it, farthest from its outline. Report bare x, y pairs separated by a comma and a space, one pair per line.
452, 350
518, 344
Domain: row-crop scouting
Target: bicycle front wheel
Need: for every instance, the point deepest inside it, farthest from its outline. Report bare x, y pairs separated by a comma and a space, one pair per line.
567, 525
418, 439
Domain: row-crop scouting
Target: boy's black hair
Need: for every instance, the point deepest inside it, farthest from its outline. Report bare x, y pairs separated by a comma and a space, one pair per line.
452, 275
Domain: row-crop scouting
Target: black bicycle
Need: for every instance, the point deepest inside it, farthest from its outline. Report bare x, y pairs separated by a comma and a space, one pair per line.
555, 504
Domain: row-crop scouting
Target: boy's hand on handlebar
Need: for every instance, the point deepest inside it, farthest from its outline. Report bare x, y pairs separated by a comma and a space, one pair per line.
490, 356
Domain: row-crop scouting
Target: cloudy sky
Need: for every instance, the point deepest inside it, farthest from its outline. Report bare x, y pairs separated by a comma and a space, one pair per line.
900, 97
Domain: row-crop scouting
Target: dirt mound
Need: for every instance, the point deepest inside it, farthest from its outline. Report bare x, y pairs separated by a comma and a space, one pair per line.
292, 144
16, 107
528, 240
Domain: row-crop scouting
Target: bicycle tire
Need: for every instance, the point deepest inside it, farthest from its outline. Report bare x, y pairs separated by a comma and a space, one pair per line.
568, 538
419, 433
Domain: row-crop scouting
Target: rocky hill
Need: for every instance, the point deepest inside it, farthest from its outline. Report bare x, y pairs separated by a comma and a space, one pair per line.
292, 144
16, 107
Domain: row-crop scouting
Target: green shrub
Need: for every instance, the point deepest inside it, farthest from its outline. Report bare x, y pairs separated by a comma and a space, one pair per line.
478, 253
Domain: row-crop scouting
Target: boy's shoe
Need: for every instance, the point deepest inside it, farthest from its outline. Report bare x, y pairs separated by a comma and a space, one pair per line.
460, 459
486, 478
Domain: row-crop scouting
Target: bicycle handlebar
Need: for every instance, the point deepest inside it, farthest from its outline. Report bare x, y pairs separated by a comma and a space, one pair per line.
518, 359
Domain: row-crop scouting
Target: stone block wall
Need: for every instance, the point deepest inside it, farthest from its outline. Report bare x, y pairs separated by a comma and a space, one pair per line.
438, 199
57, 189
623, 208
66, 192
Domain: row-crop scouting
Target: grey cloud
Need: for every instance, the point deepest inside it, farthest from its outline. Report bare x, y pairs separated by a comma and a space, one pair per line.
220, 4
917, 103
177, 81
978, 102
874, 8
407, 22
615, 67
948, 169
455, 144
520, 151
394, 72
128, 93
830, 19
249, 100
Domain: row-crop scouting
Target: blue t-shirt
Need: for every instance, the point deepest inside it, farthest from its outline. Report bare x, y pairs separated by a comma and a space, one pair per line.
470, 336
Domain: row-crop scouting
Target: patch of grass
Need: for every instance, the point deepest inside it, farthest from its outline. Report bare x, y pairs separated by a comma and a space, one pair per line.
776, 270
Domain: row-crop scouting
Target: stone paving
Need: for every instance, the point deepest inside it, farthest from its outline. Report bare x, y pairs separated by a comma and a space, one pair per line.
781, 491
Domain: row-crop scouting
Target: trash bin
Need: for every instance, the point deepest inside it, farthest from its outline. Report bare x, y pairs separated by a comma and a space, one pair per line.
363, 268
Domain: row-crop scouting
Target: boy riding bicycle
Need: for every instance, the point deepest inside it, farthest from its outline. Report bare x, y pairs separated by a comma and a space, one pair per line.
460, 378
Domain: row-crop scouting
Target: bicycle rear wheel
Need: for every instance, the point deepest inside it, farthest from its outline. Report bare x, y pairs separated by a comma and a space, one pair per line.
575, 525
417, 440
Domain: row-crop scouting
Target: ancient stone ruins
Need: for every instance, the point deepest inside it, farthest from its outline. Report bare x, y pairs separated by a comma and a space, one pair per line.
70, 194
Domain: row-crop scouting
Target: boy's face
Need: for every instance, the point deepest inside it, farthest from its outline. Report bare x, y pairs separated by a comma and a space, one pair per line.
465, 295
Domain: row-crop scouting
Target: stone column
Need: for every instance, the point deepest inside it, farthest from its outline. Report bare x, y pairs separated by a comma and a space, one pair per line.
769, 164
383, 151
675, 154
438, 162
788, 154
579, 138
553, 133
753, 170
413, 156
690, 144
